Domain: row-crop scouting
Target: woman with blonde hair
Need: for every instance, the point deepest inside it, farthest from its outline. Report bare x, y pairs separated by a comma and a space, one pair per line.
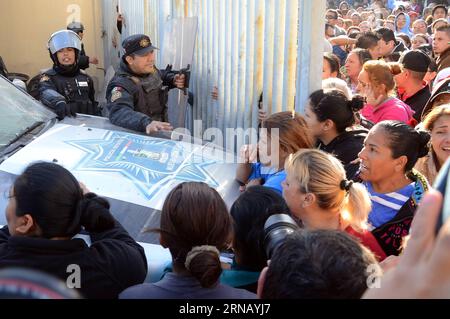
376, 83
437, 122
320, 196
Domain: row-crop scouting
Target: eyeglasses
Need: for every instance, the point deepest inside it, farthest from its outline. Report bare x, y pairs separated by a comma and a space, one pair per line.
331, 17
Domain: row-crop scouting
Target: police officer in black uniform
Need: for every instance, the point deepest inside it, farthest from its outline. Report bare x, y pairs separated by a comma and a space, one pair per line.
65, 88
137, 95
84, 60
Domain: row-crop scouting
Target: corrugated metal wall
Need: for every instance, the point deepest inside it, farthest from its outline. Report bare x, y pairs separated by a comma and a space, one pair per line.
134, 13
244, 47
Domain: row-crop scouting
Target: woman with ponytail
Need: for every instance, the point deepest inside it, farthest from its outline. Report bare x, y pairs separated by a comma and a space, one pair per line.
376, 83
390, 152
319, 195
195, 227
47, 207
330, 117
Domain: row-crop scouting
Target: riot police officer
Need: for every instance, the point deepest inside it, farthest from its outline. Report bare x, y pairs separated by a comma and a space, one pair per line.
137, 95
65, 88
84, 60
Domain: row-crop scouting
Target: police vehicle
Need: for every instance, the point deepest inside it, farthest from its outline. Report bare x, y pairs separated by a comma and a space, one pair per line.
133, 171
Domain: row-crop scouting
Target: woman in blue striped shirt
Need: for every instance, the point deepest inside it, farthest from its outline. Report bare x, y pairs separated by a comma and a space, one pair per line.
390, 152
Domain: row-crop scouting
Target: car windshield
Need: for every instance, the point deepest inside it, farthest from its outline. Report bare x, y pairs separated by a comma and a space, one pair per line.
19, 113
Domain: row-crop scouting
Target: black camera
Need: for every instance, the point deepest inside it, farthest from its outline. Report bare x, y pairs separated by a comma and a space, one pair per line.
276, 229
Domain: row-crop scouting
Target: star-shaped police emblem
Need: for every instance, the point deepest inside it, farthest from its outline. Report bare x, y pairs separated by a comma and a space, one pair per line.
149, 163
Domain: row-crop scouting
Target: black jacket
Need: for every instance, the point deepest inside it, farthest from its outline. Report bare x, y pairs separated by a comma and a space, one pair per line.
111, 264
83, 60
418, 101
124, 98
75, 88
345, 148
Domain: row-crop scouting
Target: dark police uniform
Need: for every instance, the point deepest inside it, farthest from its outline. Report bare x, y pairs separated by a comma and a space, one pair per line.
76, 90
134, 101
83, 61
65, 88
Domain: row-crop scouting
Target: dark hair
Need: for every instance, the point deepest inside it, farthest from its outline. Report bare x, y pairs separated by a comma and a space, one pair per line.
342, 4
433, 25
336, 14
250, 211
427, 49
405, 39
53, 197
327, 25
386, 34
354, 35
367, 40
439, 6
363, 55
334, 63
405, 141
321, 264
195, 215
433, 67
333, 105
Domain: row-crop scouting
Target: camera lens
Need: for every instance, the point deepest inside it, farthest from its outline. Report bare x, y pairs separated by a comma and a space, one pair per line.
276, 229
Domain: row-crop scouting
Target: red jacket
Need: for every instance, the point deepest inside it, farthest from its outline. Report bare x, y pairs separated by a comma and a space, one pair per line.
369, 241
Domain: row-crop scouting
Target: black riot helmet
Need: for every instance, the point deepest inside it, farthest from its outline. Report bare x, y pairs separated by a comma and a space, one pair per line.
76, 27
61, 40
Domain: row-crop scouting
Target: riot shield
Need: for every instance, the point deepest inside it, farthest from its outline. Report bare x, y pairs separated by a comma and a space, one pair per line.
178, 50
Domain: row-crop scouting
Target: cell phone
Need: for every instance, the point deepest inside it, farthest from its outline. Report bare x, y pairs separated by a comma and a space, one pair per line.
442, 184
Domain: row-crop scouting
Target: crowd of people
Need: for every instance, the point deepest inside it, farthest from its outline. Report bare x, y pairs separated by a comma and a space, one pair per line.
352, 173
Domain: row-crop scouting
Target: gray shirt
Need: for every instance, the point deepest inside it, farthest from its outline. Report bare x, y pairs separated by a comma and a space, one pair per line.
175, 286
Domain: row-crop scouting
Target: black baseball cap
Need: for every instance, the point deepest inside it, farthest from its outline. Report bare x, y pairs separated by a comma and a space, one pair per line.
441, 88
416, 61
139, 44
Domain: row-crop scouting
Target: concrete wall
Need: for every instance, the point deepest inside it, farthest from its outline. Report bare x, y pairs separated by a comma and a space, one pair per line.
26, 25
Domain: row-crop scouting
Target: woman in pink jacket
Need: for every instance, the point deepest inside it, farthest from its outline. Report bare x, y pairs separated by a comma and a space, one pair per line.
376, 83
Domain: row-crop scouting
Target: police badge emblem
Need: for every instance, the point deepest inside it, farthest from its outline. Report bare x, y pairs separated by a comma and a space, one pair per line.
44, 78
144, 43
116, 94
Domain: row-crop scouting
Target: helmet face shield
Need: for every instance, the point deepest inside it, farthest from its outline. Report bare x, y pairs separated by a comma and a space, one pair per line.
64, 39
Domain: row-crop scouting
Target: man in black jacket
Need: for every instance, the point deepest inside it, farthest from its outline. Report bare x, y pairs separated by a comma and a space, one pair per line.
137, 95
411, 87
390, 47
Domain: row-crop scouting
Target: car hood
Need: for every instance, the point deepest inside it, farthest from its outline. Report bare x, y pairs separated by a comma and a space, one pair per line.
134, 172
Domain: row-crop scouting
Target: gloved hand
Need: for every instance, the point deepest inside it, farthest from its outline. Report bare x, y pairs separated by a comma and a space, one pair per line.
63, 109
